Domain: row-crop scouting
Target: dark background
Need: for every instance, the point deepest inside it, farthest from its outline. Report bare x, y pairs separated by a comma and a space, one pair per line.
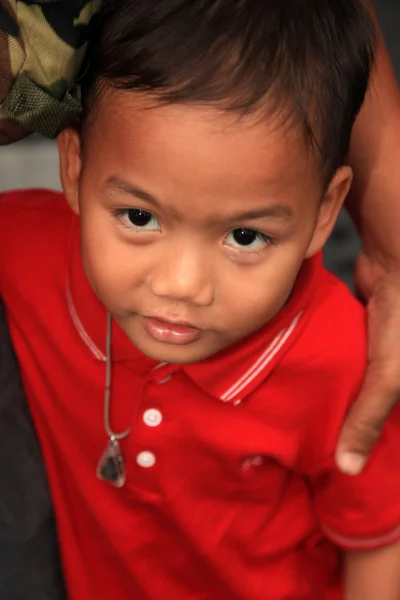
34, 162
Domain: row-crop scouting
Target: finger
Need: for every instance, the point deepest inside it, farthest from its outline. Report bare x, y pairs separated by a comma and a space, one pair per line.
365, 421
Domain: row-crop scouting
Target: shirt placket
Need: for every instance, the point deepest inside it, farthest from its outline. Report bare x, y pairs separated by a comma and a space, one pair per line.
148, 432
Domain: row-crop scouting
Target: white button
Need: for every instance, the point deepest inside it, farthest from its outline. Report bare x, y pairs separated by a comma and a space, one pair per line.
146, 459
152, 417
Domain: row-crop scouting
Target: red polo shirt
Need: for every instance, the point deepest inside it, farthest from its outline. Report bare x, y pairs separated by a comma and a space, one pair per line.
231, 490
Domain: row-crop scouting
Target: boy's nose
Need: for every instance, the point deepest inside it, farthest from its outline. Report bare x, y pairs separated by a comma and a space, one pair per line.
184, 277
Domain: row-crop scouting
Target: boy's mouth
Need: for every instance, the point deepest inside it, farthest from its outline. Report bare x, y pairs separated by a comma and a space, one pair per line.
178, 332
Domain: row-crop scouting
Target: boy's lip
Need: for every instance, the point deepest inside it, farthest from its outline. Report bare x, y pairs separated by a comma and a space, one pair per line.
172, 321
171, 331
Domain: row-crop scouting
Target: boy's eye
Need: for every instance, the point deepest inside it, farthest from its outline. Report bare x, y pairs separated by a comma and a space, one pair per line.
247, 239
138, 219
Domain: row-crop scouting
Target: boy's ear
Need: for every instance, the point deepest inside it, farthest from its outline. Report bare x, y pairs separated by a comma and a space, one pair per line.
330, 207
69, 150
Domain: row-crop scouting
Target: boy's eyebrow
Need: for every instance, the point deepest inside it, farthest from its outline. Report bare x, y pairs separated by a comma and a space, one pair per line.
280, 211
119, 184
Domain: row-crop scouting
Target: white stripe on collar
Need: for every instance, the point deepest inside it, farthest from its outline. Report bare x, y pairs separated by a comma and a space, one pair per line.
261, 363
94, 349
232, 393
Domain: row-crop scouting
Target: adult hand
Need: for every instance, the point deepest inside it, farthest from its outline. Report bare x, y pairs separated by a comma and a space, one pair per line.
375, 207
381, 387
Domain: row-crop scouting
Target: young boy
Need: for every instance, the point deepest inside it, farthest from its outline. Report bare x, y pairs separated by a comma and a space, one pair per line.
187, 359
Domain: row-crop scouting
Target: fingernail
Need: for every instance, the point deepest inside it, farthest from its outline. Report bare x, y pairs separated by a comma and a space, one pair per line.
351, 463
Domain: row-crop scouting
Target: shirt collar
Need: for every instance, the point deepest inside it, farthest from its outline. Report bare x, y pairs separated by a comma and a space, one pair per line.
228, 376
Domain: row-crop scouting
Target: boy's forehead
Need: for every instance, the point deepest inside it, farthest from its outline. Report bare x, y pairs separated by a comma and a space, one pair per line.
138, 132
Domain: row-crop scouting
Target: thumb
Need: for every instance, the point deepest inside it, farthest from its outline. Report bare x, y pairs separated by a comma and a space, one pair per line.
365, 421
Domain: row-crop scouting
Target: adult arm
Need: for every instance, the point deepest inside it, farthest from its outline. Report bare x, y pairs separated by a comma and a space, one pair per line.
373, 574
375, 207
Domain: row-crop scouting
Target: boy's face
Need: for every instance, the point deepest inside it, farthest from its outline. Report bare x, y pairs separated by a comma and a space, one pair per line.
194, 222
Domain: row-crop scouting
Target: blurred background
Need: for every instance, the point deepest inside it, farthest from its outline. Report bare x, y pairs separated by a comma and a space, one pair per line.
34, 163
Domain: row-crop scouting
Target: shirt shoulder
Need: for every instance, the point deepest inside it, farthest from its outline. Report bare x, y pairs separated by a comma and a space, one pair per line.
331, 349
335, 339
333, 355
41, 205
35, 226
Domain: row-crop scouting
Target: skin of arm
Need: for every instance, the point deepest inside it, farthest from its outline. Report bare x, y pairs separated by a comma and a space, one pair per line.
374, 204
373, 574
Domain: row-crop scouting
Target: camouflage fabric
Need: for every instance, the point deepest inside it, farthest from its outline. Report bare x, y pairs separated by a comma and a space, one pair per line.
42, 47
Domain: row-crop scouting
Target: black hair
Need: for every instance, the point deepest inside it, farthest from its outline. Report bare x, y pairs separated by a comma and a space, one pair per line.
307, 60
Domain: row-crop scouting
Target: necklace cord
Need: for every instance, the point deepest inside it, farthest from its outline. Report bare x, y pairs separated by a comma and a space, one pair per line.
107, 387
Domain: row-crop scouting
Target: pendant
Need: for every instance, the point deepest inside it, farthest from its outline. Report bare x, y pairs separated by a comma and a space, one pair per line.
111, 467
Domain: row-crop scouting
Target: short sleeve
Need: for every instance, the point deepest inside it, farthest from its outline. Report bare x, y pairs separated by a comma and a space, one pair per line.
363, 512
